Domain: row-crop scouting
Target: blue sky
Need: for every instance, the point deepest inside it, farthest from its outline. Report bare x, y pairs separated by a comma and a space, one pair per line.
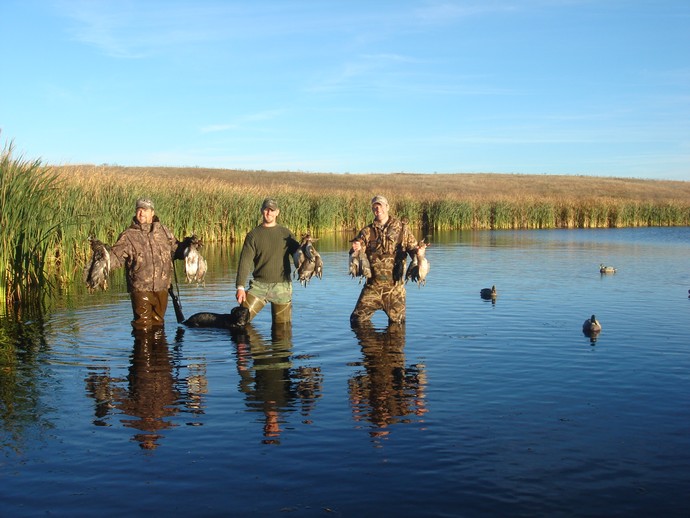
598, 87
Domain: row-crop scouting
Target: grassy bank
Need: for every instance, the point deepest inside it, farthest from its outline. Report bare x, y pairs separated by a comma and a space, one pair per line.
223, 204
52, 210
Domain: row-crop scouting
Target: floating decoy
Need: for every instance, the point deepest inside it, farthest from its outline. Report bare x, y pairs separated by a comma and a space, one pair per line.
591, 326
488, 293
606, 269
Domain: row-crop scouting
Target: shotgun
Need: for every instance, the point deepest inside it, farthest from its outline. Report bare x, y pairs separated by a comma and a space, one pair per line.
176, 305
176, 302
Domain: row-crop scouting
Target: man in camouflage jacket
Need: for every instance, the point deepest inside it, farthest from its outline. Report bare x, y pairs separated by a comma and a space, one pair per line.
387, 243
146, 250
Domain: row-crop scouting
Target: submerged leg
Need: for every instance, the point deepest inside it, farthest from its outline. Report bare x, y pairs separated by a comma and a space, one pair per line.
253, 304
281, 313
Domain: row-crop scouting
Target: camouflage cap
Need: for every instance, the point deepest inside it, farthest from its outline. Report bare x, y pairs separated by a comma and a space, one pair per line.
269, 203
380, 200
144, 203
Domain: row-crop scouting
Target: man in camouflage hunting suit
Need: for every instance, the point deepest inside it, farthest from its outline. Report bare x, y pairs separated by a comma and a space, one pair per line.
146, 250
387, 243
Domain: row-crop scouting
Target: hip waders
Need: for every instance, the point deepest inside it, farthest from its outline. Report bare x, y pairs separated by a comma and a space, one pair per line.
280, 313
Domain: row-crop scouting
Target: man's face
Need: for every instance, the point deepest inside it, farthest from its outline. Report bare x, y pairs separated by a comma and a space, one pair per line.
269, 216
380, 212
145, 216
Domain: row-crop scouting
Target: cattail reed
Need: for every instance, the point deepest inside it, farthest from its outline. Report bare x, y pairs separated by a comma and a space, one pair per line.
45, 229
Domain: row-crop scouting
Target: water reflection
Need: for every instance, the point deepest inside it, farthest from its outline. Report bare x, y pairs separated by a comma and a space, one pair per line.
387, 391
271, 384
148, 397
23, 376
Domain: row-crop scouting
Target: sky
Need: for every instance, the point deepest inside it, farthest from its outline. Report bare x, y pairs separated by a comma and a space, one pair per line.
584, 87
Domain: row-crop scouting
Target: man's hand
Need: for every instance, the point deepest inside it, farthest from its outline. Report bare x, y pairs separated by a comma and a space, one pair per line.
240, 295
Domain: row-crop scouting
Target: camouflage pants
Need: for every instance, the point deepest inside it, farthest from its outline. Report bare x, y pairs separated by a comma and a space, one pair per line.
387, 296
278, 294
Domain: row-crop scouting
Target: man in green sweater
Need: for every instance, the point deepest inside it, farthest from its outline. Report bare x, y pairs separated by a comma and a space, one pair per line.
267, 254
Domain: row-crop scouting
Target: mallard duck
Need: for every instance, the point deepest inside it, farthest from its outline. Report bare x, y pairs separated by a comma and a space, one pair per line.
591, 325
606, 269
488, 293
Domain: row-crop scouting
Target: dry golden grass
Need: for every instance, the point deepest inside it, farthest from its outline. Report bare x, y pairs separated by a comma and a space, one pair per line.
462, 186
221, 205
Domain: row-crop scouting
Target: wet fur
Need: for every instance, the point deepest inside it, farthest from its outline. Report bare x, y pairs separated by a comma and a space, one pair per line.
236, 319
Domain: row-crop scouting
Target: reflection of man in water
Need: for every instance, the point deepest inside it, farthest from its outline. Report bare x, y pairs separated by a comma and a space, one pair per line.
152, 395
270, 382
386, 392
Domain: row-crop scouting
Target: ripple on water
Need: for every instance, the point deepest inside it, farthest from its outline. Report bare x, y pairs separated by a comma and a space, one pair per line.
498, 408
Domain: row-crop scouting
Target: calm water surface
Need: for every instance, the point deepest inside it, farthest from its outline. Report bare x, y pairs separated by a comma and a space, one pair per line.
473, 408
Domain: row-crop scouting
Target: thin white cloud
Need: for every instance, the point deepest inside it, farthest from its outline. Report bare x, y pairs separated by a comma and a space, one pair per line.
242, 121
132, 30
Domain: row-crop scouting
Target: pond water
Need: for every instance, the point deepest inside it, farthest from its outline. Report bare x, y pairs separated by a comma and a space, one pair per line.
473, 408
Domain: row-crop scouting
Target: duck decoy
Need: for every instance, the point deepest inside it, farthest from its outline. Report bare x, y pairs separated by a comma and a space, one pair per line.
488, 293
606, 269
591, 326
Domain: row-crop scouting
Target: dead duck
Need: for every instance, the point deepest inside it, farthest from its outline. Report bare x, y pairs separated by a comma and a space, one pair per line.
488, 293
97, 271
419, 267
359, 265
194, 264
606, 269
591, 326
308, 262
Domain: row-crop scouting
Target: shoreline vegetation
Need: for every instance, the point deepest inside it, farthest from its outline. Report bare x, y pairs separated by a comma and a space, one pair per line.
48, 212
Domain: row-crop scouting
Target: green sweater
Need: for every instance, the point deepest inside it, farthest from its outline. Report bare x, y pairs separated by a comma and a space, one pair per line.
267, 251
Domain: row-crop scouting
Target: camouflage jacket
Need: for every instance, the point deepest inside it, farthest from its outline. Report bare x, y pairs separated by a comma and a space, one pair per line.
146, 252
387, 248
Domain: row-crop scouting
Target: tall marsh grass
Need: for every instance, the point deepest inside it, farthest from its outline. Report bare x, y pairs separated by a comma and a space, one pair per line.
29, 228
49, 213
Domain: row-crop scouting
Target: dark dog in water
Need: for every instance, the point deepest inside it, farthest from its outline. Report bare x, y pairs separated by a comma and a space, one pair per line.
236, 319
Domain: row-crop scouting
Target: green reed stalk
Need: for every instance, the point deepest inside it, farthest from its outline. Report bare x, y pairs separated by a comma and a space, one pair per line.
223, 206
28, 228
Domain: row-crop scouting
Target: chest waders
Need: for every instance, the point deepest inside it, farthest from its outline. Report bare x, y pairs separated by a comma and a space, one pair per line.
386, 289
